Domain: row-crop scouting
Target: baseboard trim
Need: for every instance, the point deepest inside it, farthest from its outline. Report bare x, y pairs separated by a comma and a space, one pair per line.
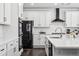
38, 46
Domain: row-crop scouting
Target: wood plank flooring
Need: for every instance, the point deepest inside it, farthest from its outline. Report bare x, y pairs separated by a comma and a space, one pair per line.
34, 52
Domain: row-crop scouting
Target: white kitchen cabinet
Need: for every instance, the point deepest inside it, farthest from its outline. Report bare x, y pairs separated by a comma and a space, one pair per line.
7, 13
40, 18
42, 40
1, 13
9, 48
12, 48
36, 41
48, 19
3, 53
36, 19
16, 48
39, 41
10, 52
29, 15
72, 18
3, 50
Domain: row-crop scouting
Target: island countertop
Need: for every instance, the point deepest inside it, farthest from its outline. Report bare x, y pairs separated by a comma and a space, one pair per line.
64, 42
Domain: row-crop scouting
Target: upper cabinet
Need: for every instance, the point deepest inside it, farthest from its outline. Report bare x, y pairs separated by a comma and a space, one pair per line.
44, 18
72, 18
1, 13
5, 13
41, 18
20, 9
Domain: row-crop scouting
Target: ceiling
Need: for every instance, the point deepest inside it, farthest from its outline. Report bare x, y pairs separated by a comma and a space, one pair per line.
50, 5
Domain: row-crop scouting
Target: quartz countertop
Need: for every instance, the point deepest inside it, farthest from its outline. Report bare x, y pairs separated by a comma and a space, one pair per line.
64, 42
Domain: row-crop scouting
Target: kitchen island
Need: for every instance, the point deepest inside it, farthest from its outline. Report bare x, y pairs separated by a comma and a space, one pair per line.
64, 46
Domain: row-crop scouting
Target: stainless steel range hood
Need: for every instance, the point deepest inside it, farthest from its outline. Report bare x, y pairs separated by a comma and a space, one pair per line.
57, 17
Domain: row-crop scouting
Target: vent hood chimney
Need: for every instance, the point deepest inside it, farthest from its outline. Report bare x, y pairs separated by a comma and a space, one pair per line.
57, 17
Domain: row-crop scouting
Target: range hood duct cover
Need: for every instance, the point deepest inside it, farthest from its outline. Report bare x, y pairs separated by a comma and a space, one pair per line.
57, 16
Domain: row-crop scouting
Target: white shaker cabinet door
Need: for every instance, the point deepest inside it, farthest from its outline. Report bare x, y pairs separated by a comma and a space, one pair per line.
75, 19
7, 15
47, 19
42, 39
28, 15
36, 19
68, 19
42, 18
36, 41
10, 52
72, 18
1, 13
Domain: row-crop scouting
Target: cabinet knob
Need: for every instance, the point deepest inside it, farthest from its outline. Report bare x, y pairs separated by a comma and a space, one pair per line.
1, 50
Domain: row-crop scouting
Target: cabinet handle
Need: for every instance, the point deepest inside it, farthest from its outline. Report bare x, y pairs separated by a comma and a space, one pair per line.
2, 50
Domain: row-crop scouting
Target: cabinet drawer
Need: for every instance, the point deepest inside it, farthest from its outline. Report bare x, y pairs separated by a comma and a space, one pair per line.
3, 53
10, 52
2, 48
10, 45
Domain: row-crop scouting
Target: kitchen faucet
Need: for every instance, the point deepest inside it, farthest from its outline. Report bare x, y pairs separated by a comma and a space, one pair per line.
59, 28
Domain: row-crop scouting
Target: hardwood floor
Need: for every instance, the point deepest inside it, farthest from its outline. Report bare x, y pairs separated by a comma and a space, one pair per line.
34, 52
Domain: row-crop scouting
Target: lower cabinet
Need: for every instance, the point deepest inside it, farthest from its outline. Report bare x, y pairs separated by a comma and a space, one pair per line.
3, 50
12, 48
3, 53
38, 41
42, 40
10, 52
9, 48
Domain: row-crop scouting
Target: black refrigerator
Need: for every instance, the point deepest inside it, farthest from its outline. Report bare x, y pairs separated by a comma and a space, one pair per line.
27, 38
